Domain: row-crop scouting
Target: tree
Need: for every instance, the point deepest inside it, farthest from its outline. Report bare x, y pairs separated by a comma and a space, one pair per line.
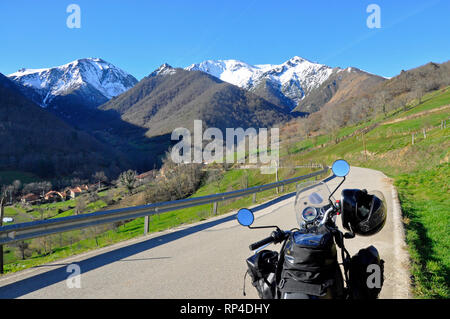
100, 177
17, 185
80, 206
128, 179
23, 249
41, 212
418, 94
37, 188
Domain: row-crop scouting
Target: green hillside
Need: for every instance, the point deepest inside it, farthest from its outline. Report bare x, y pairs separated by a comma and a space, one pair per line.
421, 172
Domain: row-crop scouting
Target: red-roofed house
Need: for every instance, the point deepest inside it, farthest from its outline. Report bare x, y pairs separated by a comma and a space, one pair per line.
30, 198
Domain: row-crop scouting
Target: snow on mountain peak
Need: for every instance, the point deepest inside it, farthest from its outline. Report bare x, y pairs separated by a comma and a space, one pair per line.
99, 75
294, 78
164, 69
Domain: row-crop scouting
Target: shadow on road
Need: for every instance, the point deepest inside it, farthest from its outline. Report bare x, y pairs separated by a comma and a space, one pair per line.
33, 283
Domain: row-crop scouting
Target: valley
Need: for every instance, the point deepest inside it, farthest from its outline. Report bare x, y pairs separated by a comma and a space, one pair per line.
398, 126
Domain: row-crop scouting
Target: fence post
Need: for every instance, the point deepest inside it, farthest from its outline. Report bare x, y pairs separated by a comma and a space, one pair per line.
412, 138
146, 224
364, 144
424, 133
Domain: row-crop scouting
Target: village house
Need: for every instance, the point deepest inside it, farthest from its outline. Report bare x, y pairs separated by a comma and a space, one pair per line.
54, 196
30, 198
146, 177
76, 191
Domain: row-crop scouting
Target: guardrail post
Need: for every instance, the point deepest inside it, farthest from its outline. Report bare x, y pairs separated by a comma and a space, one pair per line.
215, 208
146, 224
254, 198
1, 224
276, 174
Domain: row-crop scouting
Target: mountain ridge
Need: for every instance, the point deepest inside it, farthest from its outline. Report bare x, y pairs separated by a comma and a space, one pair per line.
172, 97
284, 84
92, 80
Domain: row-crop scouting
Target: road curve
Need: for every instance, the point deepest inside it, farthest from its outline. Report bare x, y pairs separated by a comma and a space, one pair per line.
203, 260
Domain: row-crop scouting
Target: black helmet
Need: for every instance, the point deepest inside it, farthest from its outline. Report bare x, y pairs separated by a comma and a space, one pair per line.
362, 213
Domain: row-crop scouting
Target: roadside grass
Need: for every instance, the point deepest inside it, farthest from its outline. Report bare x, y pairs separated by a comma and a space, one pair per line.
425, 199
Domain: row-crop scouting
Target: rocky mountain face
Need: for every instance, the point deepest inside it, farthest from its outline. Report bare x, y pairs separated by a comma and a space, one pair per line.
287, 84
341, 85
169, 98
34, 140
84, 82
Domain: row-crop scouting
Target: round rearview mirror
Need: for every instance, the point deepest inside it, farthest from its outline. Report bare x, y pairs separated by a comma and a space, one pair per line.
245, 217
340, 168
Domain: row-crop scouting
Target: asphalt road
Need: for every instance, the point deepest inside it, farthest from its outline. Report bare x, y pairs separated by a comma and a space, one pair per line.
204, 260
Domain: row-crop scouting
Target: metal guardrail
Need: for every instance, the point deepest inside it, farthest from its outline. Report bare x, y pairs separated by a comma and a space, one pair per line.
22, 231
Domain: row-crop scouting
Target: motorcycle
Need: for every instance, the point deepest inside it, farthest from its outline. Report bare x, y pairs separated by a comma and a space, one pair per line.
306, 267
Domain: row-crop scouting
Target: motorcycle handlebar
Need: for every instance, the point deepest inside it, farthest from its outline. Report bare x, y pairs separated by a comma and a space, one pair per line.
262, 242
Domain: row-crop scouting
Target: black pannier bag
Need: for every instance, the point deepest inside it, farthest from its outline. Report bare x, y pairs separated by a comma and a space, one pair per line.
361, 286
310, 265
261, 268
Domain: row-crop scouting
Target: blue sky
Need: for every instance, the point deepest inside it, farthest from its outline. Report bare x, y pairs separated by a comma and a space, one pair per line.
139, 35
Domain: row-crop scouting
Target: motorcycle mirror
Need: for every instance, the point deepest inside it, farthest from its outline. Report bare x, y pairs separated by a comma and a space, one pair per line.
340, 168
245, 217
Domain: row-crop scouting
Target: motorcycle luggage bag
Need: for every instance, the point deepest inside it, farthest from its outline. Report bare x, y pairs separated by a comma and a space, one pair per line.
261, 268
366, 274
310, 264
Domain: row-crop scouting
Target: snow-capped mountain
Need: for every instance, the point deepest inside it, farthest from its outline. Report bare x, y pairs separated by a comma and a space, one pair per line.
292, 80
164, 69
91, 81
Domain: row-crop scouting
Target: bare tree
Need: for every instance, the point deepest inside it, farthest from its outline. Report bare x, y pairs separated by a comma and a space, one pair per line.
128, 179
100, 177
80, 206
41, 212
23, 249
